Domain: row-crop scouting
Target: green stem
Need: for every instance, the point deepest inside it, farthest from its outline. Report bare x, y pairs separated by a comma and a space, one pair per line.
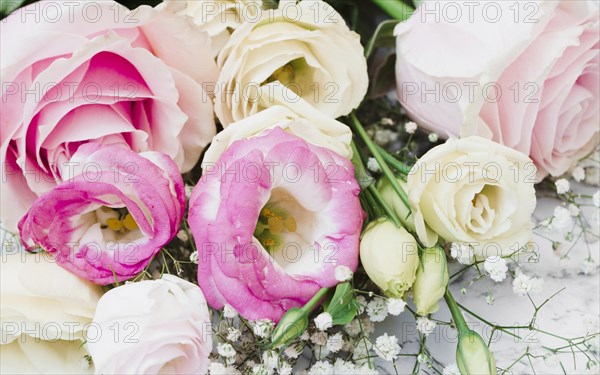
459, 319
314, 301
395, 8
388, 211
395, 163
387, 172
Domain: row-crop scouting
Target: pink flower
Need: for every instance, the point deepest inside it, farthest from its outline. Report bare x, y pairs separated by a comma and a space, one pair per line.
272, 219
524, 74
109, 219
78, 72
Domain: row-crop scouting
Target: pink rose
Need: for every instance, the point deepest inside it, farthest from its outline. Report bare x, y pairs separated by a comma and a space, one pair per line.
78, 72
272, 219
524, 74
107, 221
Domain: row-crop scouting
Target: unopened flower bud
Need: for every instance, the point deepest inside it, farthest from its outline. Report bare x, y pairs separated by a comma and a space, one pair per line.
432, 279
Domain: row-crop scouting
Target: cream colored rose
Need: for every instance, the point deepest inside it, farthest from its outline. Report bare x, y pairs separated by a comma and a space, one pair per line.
299, 51
475, 191
44, 312
219, 18
300, 119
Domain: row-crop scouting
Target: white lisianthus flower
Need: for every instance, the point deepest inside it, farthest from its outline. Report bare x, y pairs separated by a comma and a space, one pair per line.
301, 51
44, 310
475, 191
562, 186
219, 18
164, 327
323, 321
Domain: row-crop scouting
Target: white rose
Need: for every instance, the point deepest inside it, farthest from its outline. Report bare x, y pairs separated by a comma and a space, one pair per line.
300, 51
299, 119
474, 191
219, 18
152, 327
44, 312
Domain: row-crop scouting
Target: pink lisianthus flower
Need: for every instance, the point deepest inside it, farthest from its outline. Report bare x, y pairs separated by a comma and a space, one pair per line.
106, 222
79, 72
272, 219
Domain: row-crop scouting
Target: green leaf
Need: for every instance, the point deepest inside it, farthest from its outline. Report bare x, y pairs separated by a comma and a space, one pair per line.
383, 36
8, 6
342, 306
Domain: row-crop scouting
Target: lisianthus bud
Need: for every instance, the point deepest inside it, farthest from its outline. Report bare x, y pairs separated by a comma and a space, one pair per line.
390, 257
473, 356
292, 325
393, 200
432, 279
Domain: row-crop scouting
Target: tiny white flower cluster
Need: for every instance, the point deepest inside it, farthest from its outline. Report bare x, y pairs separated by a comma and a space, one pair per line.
562, 186
462, 252
387, 347
373, 165
523, 284
324, 321
377, 309
425, 326
562, 218
343, 273
410, 127
496, 267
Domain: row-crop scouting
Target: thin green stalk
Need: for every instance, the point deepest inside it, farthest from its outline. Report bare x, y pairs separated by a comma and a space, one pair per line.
315, 300
395, 8
459, 319
388, 211
395, 163
387, 172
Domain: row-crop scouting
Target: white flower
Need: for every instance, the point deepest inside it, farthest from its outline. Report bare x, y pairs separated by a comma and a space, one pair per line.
262, 328
562, 186
321, 368
341, 367
291, 58
425, 326
343, 273
293, 351
384, 136
353, 327
377, 309
319, 338
574, 210
44, 310
362, 304
596, 199
387, 347
455, 193
462, 252
194, 257
578, 174
367, 325
387, 121
270, 359
373, 165
589, 267
496, 268
523, 284
217, 368
433, 137
361, 351
259, 370
233, 334
365, 370
395, 306
285, 369
451, 369
229, 312
562, 218
410, 127
182, 235
324, 321
335, 342
226, 350
219, 18
172, 332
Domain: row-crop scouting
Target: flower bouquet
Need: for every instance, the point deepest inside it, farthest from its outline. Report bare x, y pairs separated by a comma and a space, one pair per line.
277, 187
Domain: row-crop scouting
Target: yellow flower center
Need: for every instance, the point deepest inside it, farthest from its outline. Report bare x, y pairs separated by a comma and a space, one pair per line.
271, 225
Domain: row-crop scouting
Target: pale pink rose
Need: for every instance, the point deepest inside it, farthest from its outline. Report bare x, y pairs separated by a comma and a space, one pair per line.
524, 74
151, 327
106, 222
78, 72
272, 219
